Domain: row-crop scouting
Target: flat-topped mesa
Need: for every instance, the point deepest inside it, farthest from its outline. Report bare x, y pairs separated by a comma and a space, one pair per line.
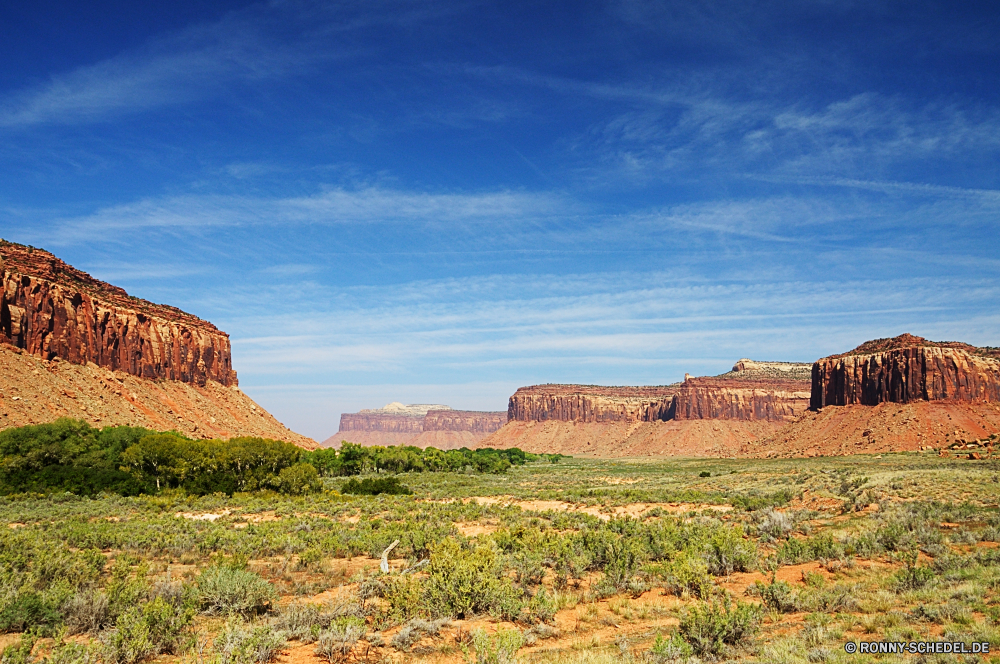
464, 420
904, 369
51, 309
751, 391
591, 403
417, 418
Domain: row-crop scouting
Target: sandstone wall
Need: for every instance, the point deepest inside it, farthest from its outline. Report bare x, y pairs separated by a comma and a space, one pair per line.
906, 369
381, 422
590, 403
464, 420
52, 310
748, 401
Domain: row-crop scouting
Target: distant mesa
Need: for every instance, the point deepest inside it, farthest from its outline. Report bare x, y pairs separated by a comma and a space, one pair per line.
423, 425
71, 345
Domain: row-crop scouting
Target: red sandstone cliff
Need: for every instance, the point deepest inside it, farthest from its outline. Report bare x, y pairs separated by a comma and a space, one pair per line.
770, 400
591, 403
904, 369
51, 310
464, 420
381, 422
419, 425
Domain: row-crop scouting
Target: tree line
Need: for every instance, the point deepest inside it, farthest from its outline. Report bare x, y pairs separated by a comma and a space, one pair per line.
353, 459
70, 455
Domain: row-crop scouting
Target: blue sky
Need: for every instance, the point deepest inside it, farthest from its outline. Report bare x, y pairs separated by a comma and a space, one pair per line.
442, 201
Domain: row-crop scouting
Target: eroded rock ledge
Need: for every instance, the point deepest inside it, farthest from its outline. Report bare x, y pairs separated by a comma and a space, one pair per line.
904, 369
52, 310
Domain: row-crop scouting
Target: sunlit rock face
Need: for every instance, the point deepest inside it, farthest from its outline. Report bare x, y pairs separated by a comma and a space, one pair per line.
904, 369
52, 310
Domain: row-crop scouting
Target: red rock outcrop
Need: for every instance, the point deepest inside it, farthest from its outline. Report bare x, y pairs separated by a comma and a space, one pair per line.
905, 369
369, 421
422, 425
464, 420
771, 400
591, 403
52, 310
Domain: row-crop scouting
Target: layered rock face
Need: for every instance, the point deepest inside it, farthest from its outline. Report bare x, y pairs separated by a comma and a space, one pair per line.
464, 420
745, 400
52, 310
751, 391
591, 403
417, 424
905, 369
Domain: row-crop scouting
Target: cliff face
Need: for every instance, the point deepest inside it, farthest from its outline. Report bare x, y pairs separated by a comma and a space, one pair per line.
381, 422
464, 420
745, 400
905, 369
752, 391
418, 424
51, 310
591, 403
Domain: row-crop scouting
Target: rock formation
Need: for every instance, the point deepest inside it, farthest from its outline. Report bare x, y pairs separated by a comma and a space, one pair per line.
591, 403
905, 369
774, 400
422, 425
51, 310
73, 346
769, 391
464, 420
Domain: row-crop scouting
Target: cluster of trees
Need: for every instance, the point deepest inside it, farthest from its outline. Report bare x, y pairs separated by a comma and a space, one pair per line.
352, 459
70, 455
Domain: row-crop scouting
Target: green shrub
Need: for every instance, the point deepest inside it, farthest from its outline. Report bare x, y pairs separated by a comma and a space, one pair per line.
776, 595
727, 551
223, 590
239, 643
709, 628
29, 609
337, 642
668, 650
463, 583
374, 486
499, 648
687, 572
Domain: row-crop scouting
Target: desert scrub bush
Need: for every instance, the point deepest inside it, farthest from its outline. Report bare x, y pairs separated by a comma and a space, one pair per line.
776, 595
773, 525
541, 608
686, 573
667, 650
727, 551
498, 648
224, 590
912, 576
417, 629
242, 643
710, 628
463, 583
373, 486
144, 631
338, 641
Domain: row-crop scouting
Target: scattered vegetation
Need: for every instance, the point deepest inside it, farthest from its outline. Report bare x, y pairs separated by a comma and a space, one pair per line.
777, 561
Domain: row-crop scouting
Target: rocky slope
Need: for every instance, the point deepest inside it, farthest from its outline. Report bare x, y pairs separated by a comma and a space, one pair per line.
423, 425
905, 369
71, 345
51, 310
34, 391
